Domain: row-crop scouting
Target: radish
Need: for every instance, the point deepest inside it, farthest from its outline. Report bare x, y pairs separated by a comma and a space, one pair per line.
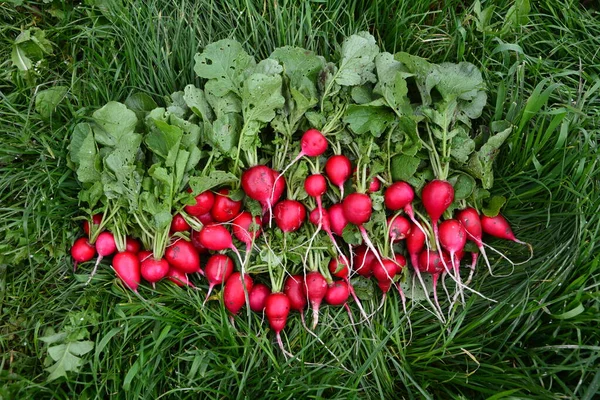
127, 267
337, 293
144, 254
96, 220
398, 228
431, 262
206, 219
216, 237
183, 256
400, 262
316, 288
178, 277
82, 251
469, 218
258, 183
278, 188
338, 267
277, 309
384, 272
337, 219
320, 217
154, 270
453, 239
363, 260
203, 205
105, 246
132, 245
374, 186
400, 195
258, 297
295, 289
218, 268
437, 195
243, 232
224, 209
179, 224
195, 240
312, 144
338, 169
315, 186
234, 291
498, 227
289, 215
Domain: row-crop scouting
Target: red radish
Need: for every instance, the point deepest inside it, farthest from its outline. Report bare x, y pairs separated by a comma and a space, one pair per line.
234, 292
374, 186
338, 267
337, 218
398, 227
154, 270
400, 195
315, 185
224, 208
437, 195
243, 232
431, 262
179, 224
316, 288
337, 293
278, 187
338, 169
183, 256
206, 219
195, 240
258, 183
400, 261
96, 220
178, 277
127, 267
469, 218
105, 246
215, 237
82, 251
218, 268
363, 260
295, 289
258, 297
203, 205
277, 309
132, 245
321, 216
415, 243
453, 239
144, 254
289, 215
384, 272
498, 227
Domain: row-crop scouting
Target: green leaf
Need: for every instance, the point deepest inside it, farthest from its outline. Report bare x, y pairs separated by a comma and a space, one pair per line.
221, 105
301, 67
223, 62
494, 206
404, 167
84, 154
141, 104
463, 184
116, 120
391, 83
366, 118
226, 132
197, 102
214, 179
462, 146
164, 141
19, 59
261, 97
47, 100
517, 15
66, 358
357, 60
480, 164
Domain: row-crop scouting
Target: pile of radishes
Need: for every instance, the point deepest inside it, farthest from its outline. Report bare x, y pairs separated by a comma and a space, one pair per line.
293, 184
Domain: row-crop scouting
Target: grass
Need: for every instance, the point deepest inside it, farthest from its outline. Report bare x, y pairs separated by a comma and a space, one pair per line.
542, 340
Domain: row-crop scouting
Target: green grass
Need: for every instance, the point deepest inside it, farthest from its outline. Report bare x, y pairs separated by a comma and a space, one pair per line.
542, 340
